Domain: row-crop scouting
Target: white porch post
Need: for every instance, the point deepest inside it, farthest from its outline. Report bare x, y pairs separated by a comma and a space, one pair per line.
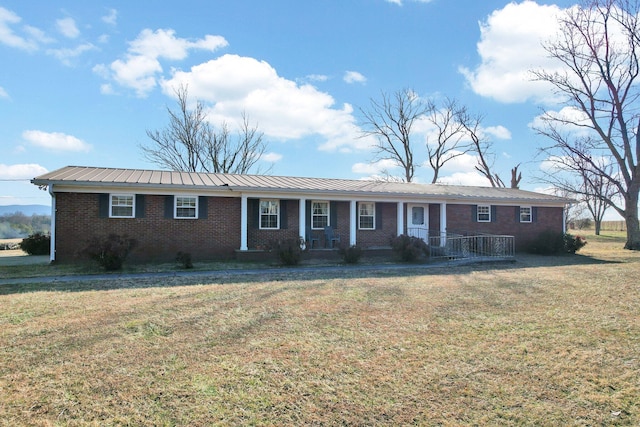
352, 223
302, 218
443, 224
52, 234
243, 223
400, 218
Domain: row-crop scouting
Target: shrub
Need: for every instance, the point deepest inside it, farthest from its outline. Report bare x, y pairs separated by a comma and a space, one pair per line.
110, 252
287, 251
555, 243
409, 248
350, 254
184, 258
37, 244
573, 244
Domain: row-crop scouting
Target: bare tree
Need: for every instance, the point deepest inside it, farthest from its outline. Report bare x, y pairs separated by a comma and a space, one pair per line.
449, 139
598, 47
390, 121
190, 142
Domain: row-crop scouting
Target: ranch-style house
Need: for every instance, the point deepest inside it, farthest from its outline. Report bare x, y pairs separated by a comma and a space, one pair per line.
223, 216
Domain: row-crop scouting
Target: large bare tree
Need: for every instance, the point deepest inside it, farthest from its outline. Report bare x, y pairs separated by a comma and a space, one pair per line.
390, 121
598, 47
191, 143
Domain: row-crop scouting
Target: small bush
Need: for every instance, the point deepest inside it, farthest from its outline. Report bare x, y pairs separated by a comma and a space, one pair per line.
287, 251
409, 248
350, 254
555, 243
184, 258
110, 252
37, 244
573, 244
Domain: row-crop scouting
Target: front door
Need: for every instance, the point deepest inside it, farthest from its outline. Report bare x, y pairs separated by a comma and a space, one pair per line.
418, 220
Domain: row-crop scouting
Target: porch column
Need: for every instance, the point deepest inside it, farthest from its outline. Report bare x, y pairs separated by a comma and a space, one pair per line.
352, 222
302, 218
52, 233
243, 223
400, 218
443, 224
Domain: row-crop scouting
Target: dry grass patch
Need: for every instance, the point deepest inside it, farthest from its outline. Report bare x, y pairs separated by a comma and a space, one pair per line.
543, 341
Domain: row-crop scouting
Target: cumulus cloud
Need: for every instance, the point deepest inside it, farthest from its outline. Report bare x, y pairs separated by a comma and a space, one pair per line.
67, 55
470, 178
67, 27
140, 67
375, 169
499, 132
569, 120
21, 171
111, 17
233, 84
510, 46
29, 41
354, 77
271, 157
3, 93
55, 141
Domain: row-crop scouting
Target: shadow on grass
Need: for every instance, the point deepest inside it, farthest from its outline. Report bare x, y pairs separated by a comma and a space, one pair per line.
103, 282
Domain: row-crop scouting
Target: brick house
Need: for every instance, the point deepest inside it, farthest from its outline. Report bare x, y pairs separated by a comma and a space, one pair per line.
222, 216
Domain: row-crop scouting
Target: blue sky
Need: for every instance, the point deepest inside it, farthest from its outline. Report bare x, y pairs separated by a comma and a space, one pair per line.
81, 82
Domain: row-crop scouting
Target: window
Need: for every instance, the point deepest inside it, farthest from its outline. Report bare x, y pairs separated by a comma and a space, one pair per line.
319, 215
417, 215
366, 216
525, 214
269, 214
121, 206
186, 207
484, 213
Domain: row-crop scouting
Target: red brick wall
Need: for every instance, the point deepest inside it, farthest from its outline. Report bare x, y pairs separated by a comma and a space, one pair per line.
158, 238
262, 239
460, 219
381, 236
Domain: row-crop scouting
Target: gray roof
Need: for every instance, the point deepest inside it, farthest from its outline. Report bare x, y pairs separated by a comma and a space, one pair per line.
82, 176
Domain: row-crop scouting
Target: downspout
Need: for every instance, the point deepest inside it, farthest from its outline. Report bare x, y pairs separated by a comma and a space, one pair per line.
52, 256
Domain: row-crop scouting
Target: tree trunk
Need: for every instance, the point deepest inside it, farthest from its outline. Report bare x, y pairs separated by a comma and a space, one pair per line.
631, 220
598, 225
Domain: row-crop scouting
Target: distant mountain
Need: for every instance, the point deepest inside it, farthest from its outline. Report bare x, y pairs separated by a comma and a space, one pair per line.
28, 210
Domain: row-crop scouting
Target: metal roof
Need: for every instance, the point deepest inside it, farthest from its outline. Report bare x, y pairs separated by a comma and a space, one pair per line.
83, 176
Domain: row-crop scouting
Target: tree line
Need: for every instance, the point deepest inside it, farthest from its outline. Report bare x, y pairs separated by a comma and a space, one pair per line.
18, 225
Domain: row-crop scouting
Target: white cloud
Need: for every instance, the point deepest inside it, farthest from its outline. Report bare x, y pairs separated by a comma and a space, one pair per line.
283, 108
67, 55
499, 132
354, 77
55, 141
510, 47
271, 157
141, 65
67, 27
316, 78
111, 17
21, 171
399, 2
11, 39
375, 169
568, 120
465, 178
3, 93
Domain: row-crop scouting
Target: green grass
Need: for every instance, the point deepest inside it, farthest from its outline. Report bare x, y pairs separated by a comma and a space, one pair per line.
542, 341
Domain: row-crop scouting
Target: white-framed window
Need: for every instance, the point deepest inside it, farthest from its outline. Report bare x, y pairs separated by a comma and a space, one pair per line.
122, 205
417, 215
367, 216
319, 215
269, 214
186, 207
525, 214
484, 213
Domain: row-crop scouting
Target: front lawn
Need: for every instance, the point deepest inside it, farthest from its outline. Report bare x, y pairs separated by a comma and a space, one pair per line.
542, 341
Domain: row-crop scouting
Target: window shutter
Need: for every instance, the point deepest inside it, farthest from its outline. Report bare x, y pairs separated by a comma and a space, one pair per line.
534, 214
140, 206
474, 213
254, 212
494, 215
378, 216
168, 206
307, 209
284, 223
103, 205
203, 207
517, 213
333, 215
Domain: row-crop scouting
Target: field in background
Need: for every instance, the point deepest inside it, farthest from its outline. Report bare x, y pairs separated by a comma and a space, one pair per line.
542, 341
